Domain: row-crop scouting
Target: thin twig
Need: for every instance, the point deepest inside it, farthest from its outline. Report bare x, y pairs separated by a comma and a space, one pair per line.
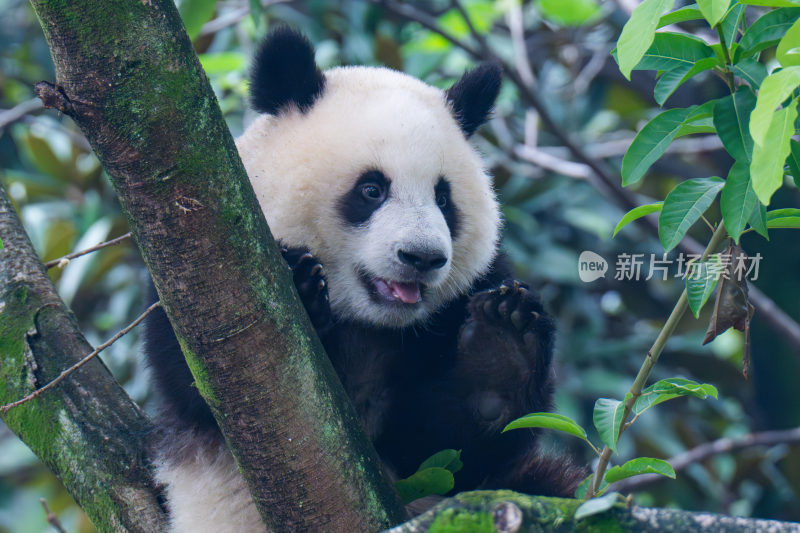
61, 262
64, 374
18, 112
650, 361
230, 18
52, 519
709, 449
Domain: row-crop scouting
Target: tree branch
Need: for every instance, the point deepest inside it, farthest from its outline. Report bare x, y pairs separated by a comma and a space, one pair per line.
504, 511
66, 373
128, 75
61, 262
87, 430
704, 451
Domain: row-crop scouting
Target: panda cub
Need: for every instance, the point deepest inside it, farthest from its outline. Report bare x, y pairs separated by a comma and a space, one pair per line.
387, 217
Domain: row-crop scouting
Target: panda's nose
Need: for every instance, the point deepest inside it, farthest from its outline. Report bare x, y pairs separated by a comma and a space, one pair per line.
422, 260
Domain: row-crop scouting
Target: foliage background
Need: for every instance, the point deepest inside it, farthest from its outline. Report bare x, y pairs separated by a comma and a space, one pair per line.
605, 327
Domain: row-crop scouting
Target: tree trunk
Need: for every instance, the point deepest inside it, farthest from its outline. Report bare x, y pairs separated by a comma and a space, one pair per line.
504, 511
86, 430
127, 74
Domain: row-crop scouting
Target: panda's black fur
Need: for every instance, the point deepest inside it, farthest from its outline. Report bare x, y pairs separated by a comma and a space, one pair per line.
453, 380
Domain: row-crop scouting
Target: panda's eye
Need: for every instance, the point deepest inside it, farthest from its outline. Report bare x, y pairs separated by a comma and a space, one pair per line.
441, 200
371, 191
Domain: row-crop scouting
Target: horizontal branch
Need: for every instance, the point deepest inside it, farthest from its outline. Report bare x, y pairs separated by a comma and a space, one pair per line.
504, 511
709, 449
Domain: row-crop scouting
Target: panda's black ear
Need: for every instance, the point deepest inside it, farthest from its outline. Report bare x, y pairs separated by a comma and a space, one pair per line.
284, 72
472, 97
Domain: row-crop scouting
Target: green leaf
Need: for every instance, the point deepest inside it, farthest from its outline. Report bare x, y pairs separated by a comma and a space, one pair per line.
549, 421
669, 82
776, 88
596, 505
256, 10
758, 220
713, 10
731, 120
684, 206
738, 200
424, 483
690, 12
651, 143
639, 466
750, 71
635, 213
638, 33
195, 13
788, 51
447, 459
730, 24
767, 31
570, 12
222, 63
783, 218
667, 389
794, 161
672, 50
766, 169
701, 279
771, 3
607, 417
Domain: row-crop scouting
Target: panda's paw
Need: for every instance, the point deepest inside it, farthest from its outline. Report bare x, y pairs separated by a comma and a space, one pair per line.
512, 311
309, 279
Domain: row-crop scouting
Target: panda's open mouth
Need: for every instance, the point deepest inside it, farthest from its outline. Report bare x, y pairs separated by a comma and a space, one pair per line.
395, 292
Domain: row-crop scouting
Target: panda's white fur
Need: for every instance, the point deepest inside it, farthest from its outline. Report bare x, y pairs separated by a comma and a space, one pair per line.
374, 118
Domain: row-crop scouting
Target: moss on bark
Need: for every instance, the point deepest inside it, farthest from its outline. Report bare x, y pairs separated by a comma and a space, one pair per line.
86, 430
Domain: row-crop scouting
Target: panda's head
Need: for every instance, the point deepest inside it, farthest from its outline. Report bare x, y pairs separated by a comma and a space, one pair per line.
371, 170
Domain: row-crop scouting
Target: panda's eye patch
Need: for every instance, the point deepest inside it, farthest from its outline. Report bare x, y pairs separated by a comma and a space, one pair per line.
369, 193
444, 200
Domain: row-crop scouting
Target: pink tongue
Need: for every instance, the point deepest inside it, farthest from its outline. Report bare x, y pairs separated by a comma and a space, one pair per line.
407, 293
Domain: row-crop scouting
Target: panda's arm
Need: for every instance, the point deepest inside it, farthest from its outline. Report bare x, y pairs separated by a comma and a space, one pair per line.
183, 407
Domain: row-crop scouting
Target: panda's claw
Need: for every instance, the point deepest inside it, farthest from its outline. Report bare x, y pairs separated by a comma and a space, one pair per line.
309, 279
512, 305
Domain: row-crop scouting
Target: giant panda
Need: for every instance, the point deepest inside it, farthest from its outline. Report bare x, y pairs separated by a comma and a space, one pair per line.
389, 221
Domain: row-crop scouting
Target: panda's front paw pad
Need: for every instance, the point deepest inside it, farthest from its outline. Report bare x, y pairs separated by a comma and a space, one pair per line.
309, 279
512, 304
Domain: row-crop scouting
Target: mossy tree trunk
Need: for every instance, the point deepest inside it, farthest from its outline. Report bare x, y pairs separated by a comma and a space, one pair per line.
86, 430
127, 74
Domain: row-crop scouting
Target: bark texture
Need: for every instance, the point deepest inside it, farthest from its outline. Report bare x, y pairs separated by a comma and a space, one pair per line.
127, 74
510, 512
86, 429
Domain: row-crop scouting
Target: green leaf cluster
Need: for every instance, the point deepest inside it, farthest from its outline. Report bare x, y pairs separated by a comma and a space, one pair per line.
755, 122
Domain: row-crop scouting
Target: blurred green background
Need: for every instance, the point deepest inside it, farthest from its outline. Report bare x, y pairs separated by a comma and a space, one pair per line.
605, 327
